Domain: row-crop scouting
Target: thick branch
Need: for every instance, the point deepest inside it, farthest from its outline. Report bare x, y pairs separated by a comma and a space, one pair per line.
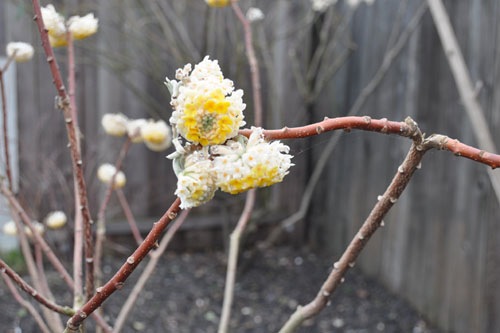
117, 281
385, 126
76, 159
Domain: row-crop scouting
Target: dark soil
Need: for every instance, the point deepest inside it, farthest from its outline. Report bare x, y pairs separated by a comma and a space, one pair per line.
185, 295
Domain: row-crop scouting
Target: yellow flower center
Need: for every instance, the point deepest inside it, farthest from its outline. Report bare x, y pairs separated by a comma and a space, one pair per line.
206, 119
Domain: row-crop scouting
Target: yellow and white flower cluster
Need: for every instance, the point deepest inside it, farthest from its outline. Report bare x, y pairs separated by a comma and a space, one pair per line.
207, 109
155, 134
207, 114
80, 27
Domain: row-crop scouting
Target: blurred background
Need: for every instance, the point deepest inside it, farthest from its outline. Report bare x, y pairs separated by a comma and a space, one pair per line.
440, 247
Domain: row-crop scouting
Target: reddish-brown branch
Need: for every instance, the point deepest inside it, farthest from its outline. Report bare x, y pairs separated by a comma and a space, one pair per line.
65, 310
254, 65
117, 281
129, 216
77, 163
383, 126
5, 132
101, 215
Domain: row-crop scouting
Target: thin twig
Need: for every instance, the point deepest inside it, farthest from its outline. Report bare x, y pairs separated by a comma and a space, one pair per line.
117, 281
464, 84
232, 263
148, 271
11, 274
27, 305
372, 223
5, 133
77, 163
251, 195
101, 215
254, 65
129, 216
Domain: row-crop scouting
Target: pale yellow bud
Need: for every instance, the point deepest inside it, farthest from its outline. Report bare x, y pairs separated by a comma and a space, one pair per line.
106, 172
156, 135
56, 220
83, 26
114, 124
20, 51
10, 228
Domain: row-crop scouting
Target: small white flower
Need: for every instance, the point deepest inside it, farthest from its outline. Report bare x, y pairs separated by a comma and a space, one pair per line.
56, 220
255, 14
83, 26
156, 135
134, 128
114, 124
10, 228
322, 5
195, 182
106, 172
53, 21
20, 51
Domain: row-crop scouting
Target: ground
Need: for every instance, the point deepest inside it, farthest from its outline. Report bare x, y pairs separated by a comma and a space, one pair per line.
185, 296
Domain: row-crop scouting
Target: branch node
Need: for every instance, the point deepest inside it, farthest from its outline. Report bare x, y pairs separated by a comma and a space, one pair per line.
99, 290
393, 199
367, 119
382, 223
172, 215
320, 129
401, 169
384, 129
361, 236
380, 197
336, 265
130, 260
325, 293
119, 285
352, 264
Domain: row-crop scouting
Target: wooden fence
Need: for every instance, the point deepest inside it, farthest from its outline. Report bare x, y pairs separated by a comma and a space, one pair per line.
440, 248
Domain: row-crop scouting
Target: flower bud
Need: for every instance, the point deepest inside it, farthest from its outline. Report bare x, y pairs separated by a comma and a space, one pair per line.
56, 220
106, 172
82, 26
114, 124
20, 51
10, 228
156, 135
